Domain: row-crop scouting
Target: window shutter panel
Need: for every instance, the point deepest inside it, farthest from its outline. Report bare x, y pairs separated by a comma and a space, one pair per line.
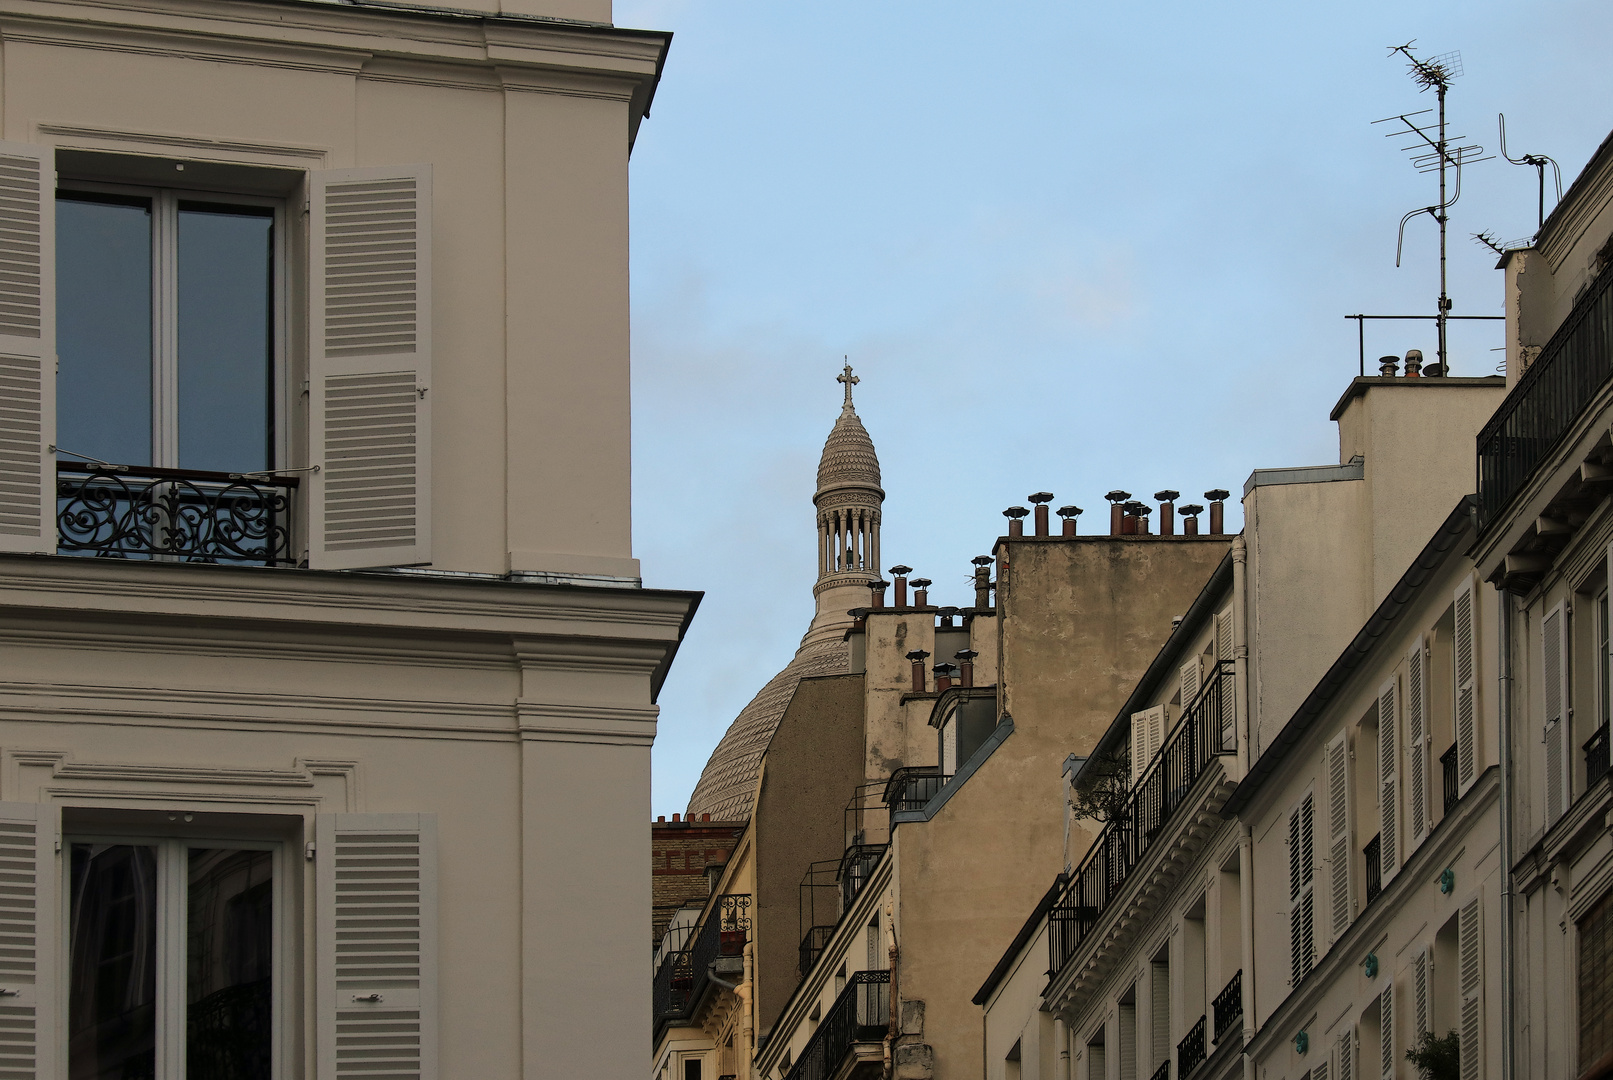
1301, 890
1338, 834
1552, 676
1471, 973
1319, 1070
1421, 1021
1467, 666
27, 348
1386, 1031
1191, 674
369, 419
29, 903
1223, 654
1346, 1053
1388, 781
1416, 745
376, 913
1156, 730
1139, 745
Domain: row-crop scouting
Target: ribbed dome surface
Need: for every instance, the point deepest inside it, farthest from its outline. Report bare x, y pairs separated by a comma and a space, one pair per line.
848, 454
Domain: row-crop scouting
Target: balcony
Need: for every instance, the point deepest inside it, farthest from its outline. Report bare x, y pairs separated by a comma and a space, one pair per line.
1228, 1006
1546, 402
683, 976
1190, 1051
861, 1014
1447, 768
174, 515
911, 787
1163, 1072
812, 946
1374, 867
1156, 796
1596, 757
856, 866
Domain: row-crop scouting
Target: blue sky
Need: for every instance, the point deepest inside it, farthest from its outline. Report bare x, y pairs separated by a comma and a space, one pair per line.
1067, 247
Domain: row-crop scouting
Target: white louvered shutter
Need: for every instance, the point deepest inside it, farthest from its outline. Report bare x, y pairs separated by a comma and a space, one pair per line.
1302, 889
27, 348
1346, 1053
29, 903
1467, 667
1470, 964
1386, 1031
1553, 642
1191, 675
369, 422
1336, 760
1416, 744
1388, 781
1147, 732
376, 896
1421, 1004
1223, 654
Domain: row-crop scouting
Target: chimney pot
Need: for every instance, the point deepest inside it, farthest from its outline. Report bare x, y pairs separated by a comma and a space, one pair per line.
661, 820
705, 817
900, 574
1069, 514
1167, 511
1117, 513
982, 580
946, 614
1190, 519
1040, 497
1387, 366
674, 817
1217, 497
918, 656
1141, 513
921, 586
1016, 520
878, 588
1040, 501
1414, 363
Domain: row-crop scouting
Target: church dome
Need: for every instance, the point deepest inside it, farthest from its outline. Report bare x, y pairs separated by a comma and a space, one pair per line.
848, 455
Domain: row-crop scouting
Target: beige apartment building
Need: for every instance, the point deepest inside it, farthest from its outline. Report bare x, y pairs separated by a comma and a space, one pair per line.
328, 684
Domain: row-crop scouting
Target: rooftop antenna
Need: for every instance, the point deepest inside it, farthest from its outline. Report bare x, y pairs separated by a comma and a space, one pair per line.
1539, 161
1433, 149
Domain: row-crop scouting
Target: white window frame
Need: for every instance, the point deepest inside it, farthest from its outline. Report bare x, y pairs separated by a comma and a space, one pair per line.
171, 932
165, 310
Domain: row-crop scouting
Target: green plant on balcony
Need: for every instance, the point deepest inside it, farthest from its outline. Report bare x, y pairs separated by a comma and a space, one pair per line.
1437, 1057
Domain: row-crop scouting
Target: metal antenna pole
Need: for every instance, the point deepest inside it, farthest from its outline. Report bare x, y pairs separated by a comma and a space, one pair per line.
1444, 216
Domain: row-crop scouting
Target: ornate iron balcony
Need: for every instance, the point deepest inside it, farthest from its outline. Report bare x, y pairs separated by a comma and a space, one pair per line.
860, 1014
1190, 1051
812, 946
1228, 1006
1163, 1072
1374, 867
856, 866
911, 786
174, 515
684, 975
1447, 768
1596, 756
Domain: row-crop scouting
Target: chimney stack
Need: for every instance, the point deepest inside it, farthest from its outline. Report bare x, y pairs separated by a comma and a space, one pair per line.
1414, 363
1069, 514
982, 580
1117, 512
1217, 497
943, 676
918, 656
1141, 510
1387, 366
921, 592
1040, 501
1167, 511
966, 666
878, 588
1190, 519
1016, 520
900, 574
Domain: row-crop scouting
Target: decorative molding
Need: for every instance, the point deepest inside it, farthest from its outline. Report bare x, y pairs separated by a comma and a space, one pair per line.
146, 782
605, 724
164, 144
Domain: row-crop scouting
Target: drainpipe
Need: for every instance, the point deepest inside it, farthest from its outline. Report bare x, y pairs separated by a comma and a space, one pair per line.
891, 1035
1061, 1043
1246, 899
1240, 654
1504, 705
1246, 843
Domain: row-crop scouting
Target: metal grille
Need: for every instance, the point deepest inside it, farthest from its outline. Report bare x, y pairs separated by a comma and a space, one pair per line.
371, 447
1596, 756
377, 954
1447, 772
21, 413
860, 1014
371, 267
19, 247
1228, 1006
1190, 1051
1374, 869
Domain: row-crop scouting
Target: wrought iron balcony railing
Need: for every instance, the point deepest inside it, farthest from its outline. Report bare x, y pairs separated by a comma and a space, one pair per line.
860, 1014
1228, 1006
911, 786
1374, 867
1163, 1072
856, 866
1190, 1051
1596, 756
1547, 400
683, 975
174, 515
1196, 742
1447, 768
812, 946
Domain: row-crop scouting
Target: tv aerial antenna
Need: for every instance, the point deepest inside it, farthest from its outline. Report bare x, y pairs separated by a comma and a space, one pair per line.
1539, 161
1433, 149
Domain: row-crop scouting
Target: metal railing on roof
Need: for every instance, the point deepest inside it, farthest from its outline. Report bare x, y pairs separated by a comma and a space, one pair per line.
860, 1014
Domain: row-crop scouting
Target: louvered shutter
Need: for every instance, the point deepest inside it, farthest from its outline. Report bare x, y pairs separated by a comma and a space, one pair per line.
1319, 1070
1467, 666
376, 896
1159, 1020
1421, 1004
1388, 781
1553, 640
1346, 1053
1470, 962
1386, 1031
28, 947
27, 348
1337, 763
1191, 674
1301, 889
1416, 744
1223, 654
1147, 732
369, 422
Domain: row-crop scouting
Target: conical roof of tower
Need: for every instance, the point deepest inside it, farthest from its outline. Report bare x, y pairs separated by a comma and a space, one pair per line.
848, 455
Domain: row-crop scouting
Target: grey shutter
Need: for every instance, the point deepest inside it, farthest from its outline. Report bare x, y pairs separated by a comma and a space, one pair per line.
1336, 762
1470, 965
29, 903
1301, 889
27, 348
1223, 654
1386, 1031
1467, 666
1190, 675
1416, 745
1319, 1070
369, 426
376, 919
1421, 1018
1346, 1053
1553, 678
1388, 781
1159, 1018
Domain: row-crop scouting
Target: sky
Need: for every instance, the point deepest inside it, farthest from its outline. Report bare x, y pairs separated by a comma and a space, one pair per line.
1066, 246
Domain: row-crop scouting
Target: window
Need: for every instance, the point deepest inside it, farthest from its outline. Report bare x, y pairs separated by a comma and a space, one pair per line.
166, 328
1596, 982
171, 947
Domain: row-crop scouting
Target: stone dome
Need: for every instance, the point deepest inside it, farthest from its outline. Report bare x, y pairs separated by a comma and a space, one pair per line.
848, 455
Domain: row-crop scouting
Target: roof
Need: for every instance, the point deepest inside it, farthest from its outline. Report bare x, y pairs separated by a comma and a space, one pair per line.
1406, 590
848, 454
1021, 939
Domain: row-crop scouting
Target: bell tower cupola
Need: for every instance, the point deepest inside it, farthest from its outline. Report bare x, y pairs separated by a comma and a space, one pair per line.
848, 502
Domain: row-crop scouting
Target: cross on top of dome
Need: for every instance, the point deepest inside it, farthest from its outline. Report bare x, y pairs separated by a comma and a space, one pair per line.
849, 379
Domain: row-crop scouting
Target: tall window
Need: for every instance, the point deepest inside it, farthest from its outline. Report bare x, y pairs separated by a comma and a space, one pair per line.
171, 965
166, 328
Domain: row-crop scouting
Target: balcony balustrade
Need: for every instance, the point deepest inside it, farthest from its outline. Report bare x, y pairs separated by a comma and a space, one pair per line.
856, 866
1163, 1072
174, 515
1196, 742
1447, 768
861, 1014
1596, 756
1228, 1006
912, 786
1190, 1051
812, 946
1546, 401
683, 975
1374, 867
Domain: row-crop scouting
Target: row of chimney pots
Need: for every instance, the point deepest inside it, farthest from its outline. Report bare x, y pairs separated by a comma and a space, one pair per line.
1127, 516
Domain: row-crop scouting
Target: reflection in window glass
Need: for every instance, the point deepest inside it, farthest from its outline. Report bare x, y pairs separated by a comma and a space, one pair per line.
226, 269
111, 1018
103, 326
229, 964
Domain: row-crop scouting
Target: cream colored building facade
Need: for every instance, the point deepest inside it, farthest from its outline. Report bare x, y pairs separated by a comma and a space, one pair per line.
316, 323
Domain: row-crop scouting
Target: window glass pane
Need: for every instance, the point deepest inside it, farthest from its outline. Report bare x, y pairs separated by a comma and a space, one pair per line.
229, 964
226, 368
111, 1025
103, 326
